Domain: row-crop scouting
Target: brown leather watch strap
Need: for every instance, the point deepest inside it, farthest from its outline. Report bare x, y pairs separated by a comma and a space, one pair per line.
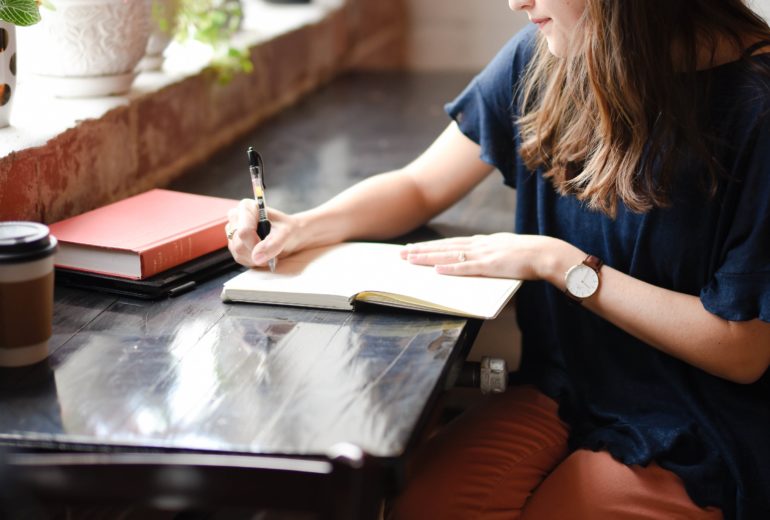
594, 262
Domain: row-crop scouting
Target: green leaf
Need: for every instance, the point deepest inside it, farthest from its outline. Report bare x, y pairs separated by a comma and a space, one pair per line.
213, 23
19, 12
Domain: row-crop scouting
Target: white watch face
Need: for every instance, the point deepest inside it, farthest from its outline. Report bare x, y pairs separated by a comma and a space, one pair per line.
582, 281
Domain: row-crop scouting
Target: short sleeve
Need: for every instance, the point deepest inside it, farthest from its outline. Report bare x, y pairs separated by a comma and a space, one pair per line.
740, 288
485, 110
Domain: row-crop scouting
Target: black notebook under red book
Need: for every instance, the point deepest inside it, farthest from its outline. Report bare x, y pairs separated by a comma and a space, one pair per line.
170, 283
154, 244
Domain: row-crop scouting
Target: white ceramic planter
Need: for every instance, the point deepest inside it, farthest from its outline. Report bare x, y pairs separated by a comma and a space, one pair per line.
7, 71
87, 48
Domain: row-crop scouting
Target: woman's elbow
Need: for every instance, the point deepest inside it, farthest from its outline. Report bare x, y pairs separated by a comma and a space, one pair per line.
749, 344
747, 371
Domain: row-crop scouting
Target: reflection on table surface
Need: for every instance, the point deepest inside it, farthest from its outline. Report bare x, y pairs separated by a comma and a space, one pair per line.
195, 373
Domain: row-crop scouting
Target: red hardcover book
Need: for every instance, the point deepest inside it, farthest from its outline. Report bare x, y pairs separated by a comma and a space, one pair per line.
142, 235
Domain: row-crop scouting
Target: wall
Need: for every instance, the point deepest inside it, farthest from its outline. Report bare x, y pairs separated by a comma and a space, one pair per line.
460, 35
762, 7
464, 34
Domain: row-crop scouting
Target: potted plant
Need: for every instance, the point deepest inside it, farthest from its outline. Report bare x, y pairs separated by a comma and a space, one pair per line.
209, 24
12, 13
86, 48
213, 24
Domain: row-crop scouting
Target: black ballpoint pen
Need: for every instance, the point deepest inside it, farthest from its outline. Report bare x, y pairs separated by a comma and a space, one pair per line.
257, 170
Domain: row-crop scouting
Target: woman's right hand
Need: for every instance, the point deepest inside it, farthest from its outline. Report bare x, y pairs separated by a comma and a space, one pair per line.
246, 247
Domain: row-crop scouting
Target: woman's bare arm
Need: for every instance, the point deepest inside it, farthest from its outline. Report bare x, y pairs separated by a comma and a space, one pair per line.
379, 207
673, 322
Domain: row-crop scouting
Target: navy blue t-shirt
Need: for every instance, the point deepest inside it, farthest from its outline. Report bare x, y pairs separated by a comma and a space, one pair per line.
618, 393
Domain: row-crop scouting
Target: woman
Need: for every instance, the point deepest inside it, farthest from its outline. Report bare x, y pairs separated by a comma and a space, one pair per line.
637, 137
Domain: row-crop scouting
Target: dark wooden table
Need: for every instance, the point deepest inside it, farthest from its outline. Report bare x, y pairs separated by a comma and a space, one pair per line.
193, 374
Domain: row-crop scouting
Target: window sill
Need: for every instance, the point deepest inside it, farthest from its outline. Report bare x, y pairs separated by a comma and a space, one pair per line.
38, 117
61, 157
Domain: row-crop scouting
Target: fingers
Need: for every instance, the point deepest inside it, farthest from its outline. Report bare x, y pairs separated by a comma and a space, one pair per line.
276, 242
501, 255
246, 222
244, 243
242, 222
456, 263
438, 252
467, 268
443, 244
438, 257
457, 256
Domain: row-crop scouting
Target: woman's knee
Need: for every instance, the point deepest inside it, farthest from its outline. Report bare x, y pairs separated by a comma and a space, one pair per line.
489, 460
593, 485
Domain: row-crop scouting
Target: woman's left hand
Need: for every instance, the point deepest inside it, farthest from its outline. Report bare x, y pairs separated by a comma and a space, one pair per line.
501, 255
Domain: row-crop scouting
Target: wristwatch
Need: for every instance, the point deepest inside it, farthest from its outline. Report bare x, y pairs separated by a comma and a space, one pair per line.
582, 280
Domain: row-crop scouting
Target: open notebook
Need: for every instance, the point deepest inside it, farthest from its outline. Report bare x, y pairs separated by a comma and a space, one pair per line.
335, 277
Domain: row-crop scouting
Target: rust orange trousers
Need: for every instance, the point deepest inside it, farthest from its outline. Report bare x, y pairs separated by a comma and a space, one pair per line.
507, 459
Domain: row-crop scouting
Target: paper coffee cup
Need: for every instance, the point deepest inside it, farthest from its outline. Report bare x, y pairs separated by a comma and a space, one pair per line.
26, 292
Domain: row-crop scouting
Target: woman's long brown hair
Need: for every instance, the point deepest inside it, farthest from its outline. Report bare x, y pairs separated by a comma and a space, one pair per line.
611, 121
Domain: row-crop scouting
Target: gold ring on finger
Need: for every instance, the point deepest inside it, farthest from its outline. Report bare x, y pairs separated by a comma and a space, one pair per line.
230, 232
